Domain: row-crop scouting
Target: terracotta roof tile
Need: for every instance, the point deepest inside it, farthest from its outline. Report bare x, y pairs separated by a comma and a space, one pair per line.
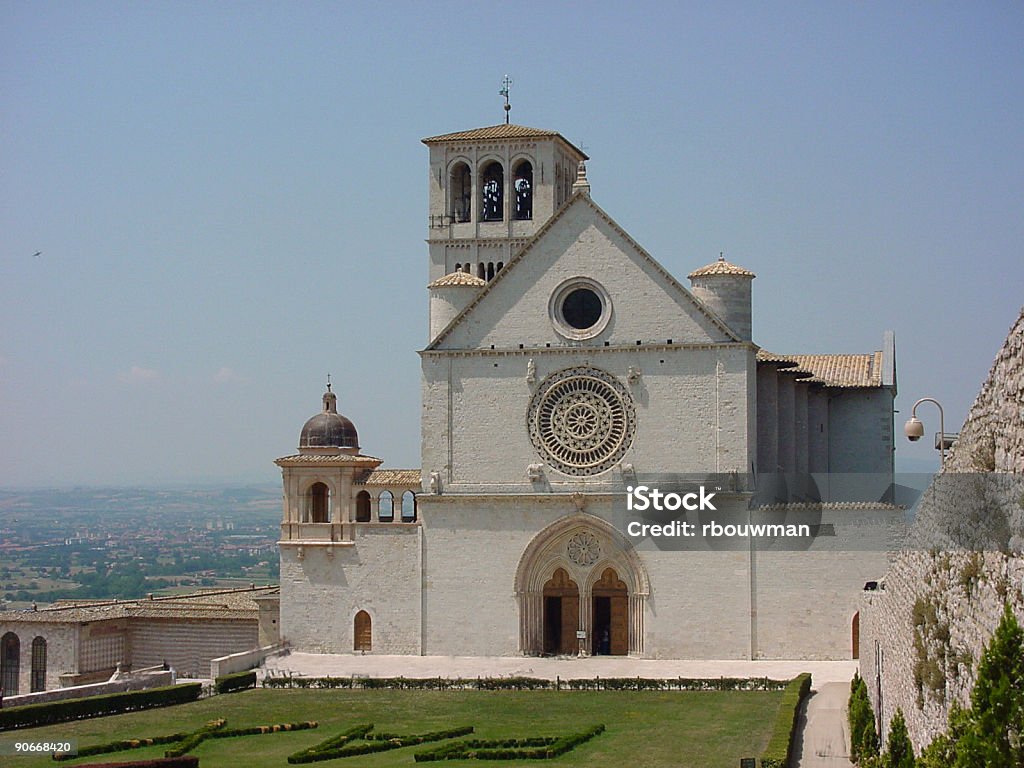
390, 477
863, 370
721, 267
458, 278
335, 459
501, 131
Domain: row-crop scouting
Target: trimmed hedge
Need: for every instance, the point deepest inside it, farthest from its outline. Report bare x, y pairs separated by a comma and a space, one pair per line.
238, 681
213, 730
160, 762
531, 683
32, 715
339, 746
537, 748
194, 739
777, 753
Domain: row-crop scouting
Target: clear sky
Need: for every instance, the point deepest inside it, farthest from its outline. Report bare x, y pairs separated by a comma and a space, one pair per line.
230, 200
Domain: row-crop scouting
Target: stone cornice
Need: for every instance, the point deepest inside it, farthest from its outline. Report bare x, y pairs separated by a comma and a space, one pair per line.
530, 351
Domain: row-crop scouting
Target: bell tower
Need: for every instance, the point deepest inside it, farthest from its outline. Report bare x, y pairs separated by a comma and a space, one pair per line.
490, 190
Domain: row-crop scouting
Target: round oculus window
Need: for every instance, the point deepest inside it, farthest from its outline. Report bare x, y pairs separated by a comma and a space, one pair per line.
581, 421
580, 309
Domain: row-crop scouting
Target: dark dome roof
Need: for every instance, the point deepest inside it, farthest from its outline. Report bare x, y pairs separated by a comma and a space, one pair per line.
329, 429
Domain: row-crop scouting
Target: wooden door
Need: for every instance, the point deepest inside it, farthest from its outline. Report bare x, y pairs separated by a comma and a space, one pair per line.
612, 587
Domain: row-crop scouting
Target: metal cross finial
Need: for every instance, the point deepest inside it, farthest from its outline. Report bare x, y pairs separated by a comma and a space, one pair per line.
506, 83
328, 382
721, 255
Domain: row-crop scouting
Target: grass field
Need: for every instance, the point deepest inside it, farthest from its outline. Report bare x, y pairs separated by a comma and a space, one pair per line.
645, 729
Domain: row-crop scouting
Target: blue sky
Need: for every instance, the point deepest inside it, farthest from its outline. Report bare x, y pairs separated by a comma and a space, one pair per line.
230, 200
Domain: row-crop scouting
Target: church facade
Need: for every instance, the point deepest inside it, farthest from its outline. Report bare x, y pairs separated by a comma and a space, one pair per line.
565, 365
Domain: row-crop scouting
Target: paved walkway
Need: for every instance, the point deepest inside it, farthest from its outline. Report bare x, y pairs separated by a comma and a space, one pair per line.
821, 736
346, 665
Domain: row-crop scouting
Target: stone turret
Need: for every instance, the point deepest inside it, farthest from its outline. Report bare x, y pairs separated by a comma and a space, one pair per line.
449, 295
725, 290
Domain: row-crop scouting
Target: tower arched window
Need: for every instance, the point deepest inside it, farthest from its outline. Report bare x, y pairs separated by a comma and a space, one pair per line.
523, 186
492, 193
386, 507
318, 503
461, 187
408, 507
38, 664
362, 507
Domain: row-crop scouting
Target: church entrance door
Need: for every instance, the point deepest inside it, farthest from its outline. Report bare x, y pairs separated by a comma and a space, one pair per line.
561, 614
610, 616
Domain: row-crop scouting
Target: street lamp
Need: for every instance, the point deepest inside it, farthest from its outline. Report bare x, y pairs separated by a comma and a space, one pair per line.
914, 428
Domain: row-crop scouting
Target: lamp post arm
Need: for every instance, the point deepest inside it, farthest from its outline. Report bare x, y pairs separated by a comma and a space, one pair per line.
942, 426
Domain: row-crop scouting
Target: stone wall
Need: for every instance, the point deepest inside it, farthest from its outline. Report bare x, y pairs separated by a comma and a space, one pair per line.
923, 634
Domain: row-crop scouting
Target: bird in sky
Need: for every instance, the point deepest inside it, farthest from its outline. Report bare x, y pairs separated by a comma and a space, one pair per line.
36, 254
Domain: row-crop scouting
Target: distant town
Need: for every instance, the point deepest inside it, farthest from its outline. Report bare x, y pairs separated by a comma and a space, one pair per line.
87, 543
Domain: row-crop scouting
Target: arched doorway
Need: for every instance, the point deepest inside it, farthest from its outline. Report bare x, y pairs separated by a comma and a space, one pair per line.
363, 632
10, 663
561, 614
855, 635
610, 615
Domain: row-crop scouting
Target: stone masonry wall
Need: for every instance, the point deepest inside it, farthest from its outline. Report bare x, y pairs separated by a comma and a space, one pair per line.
923, 634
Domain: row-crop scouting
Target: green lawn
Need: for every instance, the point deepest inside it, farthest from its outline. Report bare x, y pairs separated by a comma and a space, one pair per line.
645, 729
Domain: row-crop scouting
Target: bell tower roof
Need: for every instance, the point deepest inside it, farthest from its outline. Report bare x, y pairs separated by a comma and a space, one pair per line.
501, 132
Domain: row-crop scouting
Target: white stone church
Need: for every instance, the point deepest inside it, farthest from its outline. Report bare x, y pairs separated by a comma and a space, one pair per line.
565, 364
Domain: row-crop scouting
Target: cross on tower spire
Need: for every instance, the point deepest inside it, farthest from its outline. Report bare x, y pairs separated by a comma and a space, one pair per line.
506, 83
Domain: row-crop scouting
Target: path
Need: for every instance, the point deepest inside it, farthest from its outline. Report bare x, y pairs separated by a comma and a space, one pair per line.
821, 733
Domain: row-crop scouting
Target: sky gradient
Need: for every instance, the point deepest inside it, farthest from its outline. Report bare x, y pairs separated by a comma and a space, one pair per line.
229, 200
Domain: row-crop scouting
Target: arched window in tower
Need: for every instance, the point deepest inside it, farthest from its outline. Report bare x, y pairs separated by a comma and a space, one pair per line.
362, 507
363, 632
386, 507
523, 185
492, 191
490, 270
461, 187
38, 664
481, 271
408, 507
10, 663
317, 503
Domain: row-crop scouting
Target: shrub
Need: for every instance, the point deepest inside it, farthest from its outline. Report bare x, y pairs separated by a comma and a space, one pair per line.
531, 683
536, 748
32, 715
236, 682
159, 762
780, 745
899, 752
341, 746
863, 738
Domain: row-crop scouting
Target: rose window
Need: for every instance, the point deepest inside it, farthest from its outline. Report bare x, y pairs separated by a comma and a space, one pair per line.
581, 421
584, 549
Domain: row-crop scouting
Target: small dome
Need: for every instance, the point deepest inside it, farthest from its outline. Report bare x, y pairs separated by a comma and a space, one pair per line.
329, 429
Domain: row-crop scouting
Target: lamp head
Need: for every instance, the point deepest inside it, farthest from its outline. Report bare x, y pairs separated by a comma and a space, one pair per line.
914, 429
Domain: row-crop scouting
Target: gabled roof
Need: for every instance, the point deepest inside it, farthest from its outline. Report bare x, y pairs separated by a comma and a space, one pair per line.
863, 370
502, 131
579, 198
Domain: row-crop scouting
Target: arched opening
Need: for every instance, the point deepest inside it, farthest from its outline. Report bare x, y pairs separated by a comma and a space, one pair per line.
855, 635
386, 507
610, 615
10, 661
490, 270
363, 632
498, 266
362, 507
458, 267
561, 614
481, 271
492, 193
408, 507
38, 664
461, 187
318, 503
523, 185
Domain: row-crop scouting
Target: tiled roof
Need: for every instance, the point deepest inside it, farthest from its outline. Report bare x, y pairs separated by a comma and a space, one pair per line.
458, 278
501, 131
235, 604
390, 477
326, 458
832, 370
721, 267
